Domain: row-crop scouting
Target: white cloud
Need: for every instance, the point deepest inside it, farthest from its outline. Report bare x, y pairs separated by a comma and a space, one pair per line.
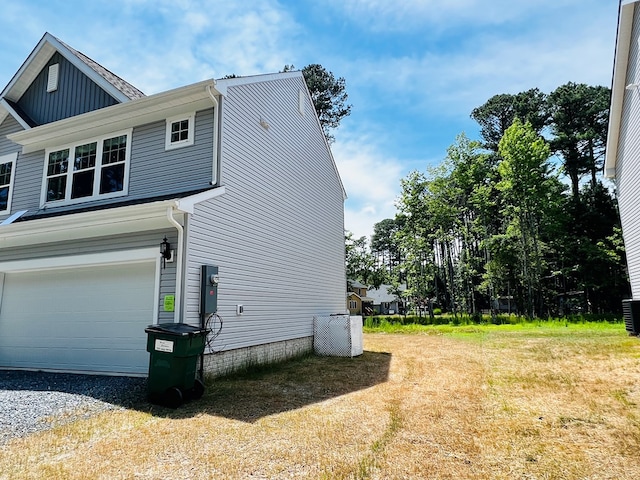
439, 15
371, 179
452, 82
162, 44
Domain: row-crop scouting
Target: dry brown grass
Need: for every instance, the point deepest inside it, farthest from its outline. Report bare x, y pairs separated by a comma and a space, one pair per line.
501, 404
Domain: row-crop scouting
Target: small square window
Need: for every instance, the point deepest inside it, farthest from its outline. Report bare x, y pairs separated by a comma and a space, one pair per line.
180, 132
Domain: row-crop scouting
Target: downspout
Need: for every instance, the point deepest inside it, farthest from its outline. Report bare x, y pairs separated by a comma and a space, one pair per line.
179, 249
215, 171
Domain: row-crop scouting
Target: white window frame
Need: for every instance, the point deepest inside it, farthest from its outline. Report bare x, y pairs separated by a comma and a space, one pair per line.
67, 200
10, 158
191, 118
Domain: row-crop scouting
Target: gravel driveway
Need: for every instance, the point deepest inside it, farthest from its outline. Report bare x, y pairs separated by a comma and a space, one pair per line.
34, 401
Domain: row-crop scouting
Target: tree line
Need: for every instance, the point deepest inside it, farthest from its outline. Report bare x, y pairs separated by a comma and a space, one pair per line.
517, 221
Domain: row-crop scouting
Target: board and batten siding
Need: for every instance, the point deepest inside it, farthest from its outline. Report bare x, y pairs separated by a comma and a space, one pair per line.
277, 234
46, 107
628, 163
153, 171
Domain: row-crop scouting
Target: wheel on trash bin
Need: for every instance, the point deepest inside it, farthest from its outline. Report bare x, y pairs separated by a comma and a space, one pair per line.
173, 397
198, 389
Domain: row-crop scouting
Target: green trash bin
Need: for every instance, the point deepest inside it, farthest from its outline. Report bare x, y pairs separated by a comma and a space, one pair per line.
174, 350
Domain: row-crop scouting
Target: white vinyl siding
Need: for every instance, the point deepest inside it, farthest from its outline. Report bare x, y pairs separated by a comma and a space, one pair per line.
277, 234
628, 163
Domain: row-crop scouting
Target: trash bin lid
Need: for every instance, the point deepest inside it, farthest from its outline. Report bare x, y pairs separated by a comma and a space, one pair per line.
177, 329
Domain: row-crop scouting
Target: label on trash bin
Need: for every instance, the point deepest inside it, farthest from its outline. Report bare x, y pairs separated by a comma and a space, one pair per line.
164, 346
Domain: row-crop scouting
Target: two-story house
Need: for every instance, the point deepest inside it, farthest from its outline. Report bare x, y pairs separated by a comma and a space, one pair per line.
96, 179
358, 303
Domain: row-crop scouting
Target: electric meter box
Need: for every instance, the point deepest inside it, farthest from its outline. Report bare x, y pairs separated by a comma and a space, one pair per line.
208, 290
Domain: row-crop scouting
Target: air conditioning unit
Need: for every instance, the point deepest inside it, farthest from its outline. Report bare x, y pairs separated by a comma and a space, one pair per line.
631, 314
337, 335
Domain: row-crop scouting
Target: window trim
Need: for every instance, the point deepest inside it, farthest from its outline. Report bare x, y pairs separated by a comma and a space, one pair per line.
9, 158
97, 170
191, 118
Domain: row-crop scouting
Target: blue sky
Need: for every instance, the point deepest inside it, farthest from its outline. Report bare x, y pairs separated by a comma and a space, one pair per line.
414, 69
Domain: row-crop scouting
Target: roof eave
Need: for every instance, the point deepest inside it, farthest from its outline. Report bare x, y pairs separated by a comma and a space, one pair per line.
117, 117
134, 218
38, 58
618, 84
10, 110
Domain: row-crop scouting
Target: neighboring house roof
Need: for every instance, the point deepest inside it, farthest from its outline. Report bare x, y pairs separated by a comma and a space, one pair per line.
382, 295
356, 284
115, 86
362, 299
619, 84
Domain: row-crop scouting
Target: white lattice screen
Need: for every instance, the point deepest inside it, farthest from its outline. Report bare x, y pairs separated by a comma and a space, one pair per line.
337, 335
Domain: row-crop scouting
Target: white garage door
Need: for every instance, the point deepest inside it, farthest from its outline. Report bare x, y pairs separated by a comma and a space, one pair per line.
88, 319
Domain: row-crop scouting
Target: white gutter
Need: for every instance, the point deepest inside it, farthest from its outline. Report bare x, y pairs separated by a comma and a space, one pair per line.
216, 105
116, 117
179, 262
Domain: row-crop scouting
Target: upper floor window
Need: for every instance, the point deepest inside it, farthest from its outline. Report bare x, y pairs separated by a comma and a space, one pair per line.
179, 131
89, 170
7, 173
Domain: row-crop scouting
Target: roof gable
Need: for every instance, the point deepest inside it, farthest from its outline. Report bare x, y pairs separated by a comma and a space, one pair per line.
36, 65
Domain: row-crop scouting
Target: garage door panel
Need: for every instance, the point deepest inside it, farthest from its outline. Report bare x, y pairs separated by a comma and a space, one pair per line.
83, 319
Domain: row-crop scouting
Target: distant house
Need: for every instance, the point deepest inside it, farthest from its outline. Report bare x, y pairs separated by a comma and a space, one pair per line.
97, 179
358, 303
622, 161
384, 302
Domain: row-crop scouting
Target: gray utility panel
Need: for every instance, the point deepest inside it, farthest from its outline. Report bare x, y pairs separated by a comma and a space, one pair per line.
208, 290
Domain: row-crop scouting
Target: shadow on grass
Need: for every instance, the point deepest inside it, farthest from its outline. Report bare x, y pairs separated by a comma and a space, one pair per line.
287, 386
246, 396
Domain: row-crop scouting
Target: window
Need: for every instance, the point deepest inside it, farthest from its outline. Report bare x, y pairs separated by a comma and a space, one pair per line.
179, 131
7, 167
87, 171
352, 304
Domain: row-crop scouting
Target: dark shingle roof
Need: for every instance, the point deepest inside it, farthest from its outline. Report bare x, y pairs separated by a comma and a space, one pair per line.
122, 85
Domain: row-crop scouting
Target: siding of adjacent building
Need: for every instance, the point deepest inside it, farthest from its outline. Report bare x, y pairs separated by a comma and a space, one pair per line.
277, 233
628, 163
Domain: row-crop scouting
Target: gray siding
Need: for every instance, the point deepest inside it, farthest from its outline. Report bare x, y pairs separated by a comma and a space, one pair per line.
277, 234
7, 127
153, 171
628, 164
76, 94
106, 244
